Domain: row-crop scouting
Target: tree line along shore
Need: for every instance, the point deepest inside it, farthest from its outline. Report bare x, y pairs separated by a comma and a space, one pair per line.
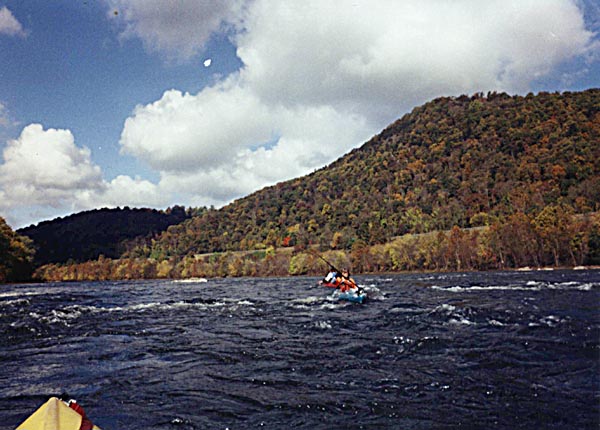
481, 182
553, 239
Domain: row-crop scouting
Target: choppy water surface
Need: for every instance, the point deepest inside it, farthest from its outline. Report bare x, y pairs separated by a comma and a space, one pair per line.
501, 350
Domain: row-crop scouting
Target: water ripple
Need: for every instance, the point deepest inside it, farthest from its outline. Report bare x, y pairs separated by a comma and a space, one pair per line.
503, 350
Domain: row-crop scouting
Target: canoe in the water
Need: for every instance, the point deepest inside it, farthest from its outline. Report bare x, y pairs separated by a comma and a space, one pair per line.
54, 415
353, 296
356, 295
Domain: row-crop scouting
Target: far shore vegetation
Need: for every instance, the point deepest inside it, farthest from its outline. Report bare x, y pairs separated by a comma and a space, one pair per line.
552, 239
470, 183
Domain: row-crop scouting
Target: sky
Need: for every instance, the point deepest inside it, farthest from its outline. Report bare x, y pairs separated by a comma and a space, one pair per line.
156, 103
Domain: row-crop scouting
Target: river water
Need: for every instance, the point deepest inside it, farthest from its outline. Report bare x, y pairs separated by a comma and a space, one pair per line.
460, 350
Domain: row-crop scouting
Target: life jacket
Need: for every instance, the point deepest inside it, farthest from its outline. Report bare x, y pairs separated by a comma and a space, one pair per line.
344, 284
86, 424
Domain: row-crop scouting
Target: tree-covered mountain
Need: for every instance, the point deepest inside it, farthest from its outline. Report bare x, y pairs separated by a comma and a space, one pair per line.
464, 161
87, 235
460, 183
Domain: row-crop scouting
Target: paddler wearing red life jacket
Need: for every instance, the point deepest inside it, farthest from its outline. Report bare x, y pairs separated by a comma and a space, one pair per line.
344, 281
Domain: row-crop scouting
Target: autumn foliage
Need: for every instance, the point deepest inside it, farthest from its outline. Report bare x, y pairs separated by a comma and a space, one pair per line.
16, 255
461, 183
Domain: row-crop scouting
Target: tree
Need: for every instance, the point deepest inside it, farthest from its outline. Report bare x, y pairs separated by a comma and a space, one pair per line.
514, 241
360, 257
16, 255
594, 244
552, 225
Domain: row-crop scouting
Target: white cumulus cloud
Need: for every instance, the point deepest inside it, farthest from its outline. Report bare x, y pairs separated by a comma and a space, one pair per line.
319, 78
183, 132
177, 29
383, 57
46, 167
45, 172
224, 142
127, 191
304, 138
9, 24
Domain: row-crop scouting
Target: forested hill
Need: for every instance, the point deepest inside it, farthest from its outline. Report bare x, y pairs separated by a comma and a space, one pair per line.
467, 161
87, 235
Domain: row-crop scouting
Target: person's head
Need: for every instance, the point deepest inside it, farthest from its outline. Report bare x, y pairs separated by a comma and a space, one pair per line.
345, 272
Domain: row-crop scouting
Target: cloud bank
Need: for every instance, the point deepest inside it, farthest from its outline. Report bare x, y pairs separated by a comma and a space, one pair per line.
318, 78
179, 29
9, 25
45, 170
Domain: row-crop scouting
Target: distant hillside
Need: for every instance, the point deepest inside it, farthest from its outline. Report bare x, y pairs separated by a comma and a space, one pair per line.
87, 235
466, 162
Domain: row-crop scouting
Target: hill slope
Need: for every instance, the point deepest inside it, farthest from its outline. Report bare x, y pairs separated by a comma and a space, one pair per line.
87, 235
465, 161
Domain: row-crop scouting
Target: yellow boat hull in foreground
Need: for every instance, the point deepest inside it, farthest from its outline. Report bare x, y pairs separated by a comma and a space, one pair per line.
53, 415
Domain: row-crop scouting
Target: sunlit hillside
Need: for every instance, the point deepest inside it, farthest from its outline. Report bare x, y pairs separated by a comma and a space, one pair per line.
466, 162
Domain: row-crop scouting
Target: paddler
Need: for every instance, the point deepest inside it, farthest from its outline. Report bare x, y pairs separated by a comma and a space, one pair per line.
344, 281
330, 278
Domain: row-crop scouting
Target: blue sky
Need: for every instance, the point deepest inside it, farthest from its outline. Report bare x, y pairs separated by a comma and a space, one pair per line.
155, 103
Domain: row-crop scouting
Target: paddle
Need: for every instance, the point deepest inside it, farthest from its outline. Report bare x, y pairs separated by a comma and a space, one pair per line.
322, 258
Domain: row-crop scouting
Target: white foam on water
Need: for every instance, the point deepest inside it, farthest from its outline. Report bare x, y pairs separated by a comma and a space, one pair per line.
57, 316
373, 293
307, 300
19, 301
548, 321
552, 320
301, 307
144, 307
460, 321
325, 325
401, 340
336, 305
402, 310
19, 294
451, 289
529, 286
35, 315
244, 303
446, 308
455, 315
190, 281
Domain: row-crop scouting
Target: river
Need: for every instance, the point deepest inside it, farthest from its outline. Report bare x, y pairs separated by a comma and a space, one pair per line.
499, 350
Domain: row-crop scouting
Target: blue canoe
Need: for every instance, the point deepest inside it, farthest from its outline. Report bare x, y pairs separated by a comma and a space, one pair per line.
353, 296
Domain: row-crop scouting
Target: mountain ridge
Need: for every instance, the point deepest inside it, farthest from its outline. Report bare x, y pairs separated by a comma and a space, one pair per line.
461, 161
87, 235
525, 164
